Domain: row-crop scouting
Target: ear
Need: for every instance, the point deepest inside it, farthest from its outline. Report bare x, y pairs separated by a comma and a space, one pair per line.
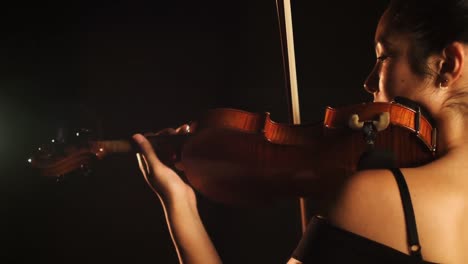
451, 65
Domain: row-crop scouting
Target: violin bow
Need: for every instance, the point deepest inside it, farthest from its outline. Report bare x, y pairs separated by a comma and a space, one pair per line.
284, 13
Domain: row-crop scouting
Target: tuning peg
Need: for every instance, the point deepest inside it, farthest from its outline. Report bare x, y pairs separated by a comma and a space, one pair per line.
83, 132
81, 136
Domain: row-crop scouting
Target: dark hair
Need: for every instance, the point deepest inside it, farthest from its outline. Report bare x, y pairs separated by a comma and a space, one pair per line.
432, 24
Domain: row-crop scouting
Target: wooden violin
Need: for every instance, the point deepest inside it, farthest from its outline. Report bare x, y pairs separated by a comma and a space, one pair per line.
238, 157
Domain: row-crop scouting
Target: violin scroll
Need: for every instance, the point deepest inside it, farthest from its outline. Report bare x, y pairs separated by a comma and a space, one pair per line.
72, 152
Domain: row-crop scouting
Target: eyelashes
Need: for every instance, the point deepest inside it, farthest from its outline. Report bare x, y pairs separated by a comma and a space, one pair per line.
382, 58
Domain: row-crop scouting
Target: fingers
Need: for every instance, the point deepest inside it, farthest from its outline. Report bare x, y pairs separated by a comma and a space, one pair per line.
183, 129
166, 131
143, 164
144, 168
147, 150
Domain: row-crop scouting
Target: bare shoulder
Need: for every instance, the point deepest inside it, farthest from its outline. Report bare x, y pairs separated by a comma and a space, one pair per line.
362, 193
368, 203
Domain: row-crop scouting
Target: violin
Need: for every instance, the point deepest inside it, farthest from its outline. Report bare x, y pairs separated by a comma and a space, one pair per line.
237, 157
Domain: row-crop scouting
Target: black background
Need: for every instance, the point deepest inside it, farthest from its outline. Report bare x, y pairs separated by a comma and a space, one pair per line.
121, 67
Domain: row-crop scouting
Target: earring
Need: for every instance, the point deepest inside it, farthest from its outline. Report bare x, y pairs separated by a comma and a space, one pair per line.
443, 84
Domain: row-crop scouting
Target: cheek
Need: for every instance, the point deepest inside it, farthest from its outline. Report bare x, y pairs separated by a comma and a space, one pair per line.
388, 76
393, 80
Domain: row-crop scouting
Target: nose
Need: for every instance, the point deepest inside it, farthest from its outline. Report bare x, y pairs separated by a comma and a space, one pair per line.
371, 84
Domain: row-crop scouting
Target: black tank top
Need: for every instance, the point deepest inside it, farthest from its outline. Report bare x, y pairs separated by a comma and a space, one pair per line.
325, 243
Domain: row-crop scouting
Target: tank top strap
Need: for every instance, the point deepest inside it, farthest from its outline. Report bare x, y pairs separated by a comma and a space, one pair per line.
410, 219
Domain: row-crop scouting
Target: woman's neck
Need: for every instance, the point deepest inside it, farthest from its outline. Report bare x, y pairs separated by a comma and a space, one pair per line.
452, 128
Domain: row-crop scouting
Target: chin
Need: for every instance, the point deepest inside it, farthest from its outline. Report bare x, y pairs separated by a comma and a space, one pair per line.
382, 99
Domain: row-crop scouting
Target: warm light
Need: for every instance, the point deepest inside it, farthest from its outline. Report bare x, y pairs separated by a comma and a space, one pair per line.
101, 149
29, 160
53, 140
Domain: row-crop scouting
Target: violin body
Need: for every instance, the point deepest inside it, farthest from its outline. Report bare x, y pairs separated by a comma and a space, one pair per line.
241, 157
237, 157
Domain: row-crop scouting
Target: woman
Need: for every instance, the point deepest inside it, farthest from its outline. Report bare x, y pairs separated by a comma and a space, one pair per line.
422, 54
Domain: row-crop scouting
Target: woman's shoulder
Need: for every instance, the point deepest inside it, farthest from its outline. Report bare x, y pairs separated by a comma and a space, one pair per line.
370, 205
368, 200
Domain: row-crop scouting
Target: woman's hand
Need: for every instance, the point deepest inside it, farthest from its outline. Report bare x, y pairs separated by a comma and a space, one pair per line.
191, 241
162, 179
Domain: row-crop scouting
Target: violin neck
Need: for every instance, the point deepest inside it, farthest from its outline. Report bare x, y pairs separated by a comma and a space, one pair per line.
114, 146
168, 147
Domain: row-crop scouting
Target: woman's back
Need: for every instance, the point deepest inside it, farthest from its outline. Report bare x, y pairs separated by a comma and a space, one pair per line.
440, 192
371, 206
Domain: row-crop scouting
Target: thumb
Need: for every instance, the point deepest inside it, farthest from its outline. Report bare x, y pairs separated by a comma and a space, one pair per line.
147, 150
